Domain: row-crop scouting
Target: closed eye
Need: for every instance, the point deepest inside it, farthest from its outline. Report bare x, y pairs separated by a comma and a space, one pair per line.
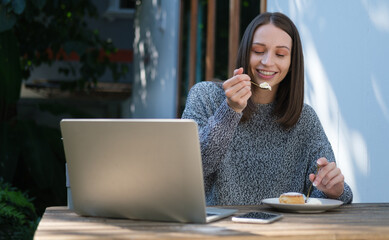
257, 52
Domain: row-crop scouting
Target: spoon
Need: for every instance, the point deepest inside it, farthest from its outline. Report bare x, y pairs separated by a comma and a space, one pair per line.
309, 190
263, 85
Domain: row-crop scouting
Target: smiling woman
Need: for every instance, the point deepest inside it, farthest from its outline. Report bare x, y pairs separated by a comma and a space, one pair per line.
291, 91
252, 138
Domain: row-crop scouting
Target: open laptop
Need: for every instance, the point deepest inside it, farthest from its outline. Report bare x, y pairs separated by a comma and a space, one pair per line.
146, 169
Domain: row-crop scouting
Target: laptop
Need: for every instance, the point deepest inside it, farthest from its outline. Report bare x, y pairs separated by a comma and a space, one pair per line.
145, 169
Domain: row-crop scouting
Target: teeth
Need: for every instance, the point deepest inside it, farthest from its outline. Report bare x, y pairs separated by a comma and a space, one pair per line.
266, 72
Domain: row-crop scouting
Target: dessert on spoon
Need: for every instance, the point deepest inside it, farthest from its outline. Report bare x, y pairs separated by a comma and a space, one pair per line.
263, 85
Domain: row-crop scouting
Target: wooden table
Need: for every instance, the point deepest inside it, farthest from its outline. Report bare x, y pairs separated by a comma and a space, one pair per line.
354, 221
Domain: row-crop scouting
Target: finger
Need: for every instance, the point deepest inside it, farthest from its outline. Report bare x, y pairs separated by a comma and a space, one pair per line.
238, 71
330, 175
339, 179
312, 177
322, 162
238, 78
323, 171
236, 83
248, 94
239, 96
238, 102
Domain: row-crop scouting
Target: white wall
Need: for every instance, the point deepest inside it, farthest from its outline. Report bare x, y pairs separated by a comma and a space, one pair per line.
154, 93
346, 49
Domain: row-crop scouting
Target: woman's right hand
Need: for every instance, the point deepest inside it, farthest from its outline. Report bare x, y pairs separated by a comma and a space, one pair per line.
238, 90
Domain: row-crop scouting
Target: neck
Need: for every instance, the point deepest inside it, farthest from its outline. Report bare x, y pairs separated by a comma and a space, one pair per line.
264, 96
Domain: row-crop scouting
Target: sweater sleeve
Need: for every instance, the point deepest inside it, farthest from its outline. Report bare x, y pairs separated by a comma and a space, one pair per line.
206, 104
319, 146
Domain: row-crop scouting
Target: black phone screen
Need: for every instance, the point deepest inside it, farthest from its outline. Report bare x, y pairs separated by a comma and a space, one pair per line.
258, 215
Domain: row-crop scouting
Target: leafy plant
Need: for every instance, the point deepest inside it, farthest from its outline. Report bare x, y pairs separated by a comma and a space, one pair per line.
18, 219
51, 30
33, 33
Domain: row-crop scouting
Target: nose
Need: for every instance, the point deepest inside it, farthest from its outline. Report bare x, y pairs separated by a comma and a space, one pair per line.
267, 59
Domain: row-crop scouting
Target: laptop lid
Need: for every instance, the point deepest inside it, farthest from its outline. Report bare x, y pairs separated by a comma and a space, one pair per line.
147, 169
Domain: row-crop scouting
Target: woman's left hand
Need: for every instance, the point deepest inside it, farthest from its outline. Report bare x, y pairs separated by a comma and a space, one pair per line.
329, 179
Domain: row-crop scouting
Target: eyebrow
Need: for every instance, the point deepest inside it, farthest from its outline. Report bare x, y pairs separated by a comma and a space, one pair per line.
257, 43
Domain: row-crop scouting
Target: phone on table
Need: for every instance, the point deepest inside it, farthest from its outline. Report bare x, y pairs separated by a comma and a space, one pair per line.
257, 217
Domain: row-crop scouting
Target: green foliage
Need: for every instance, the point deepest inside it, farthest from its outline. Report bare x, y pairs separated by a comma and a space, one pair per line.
18, 219
32, 157
33, 33
47, 30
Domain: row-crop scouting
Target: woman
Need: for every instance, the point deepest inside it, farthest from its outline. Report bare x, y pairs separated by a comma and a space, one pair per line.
259, 143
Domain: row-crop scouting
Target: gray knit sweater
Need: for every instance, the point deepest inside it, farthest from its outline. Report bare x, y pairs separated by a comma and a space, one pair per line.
244, 162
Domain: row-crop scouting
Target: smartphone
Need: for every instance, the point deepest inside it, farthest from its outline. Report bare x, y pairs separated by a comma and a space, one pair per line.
257, 217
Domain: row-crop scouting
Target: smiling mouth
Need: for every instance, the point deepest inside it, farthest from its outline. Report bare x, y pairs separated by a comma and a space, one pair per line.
266, 73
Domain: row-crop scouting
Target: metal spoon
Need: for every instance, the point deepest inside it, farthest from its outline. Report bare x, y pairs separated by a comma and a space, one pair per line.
309, 190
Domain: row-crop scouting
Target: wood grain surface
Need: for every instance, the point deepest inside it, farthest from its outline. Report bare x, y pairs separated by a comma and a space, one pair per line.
354, 221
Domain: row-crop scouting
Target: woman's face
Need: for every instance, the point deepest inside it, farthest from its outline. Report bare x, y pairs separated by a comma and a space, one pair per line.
270, 55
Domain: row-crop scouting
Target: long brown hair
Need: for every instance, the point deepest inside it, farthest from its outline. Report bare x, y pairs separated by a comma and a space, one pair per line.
290, 95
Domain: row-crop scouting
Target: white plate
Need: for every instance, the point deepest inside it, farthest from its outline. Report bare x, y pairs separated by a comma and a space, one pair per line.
314, 205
